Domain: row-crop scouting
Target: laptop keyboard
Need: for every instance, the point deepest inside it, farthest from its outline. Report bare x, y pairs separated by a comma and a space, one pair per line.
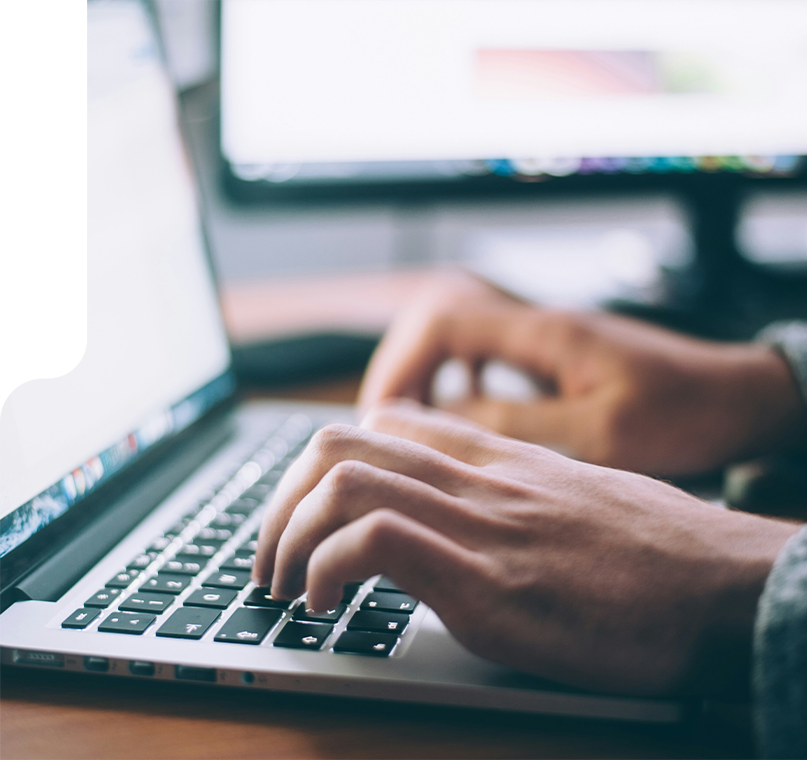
194, 579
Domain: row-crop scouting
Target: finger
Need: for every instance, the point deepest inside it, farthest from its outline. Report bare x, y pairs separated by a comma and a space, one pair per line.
349, 491
406, 360
427, 564
566, 425
450, 434
338, 443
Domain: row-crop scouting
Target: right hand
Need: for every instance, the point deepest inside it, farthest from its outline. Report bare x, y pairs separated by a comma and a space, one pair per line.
622, 393
594, 577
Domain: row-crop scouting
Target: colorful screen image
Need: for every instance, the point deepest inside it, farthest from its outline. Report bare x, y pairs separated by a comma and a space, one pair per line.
546, 74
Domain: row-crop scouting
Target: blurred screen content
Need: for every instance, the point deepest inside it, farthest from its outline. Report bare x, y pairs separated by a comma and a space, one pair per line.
530, 86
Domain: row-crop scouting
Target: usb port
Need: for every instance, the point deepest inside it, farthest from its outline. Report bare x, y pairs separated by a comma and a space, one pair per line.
140, 668
96, 664
189, 673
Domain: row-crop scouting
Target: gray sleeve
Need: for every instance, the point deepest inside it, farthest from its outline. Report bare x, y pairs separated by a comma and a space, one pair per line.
790, 340
780, 655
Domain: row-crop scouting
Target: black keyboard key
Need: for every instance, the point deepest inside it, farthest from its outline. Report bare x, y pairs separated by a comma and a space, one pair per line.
387, 584
227, 579
243, 506
178, 527
349, 592
226, 520
238, 563
250, 546
389, 601
198, 507
166, 583
303, 635
261, 597
138, 602
329, 616
378, 622
218, 599
188, 623
258, 492
214, 535
141, 561
361, 642
103, 598
198, 550
248, 626
122, 580
126, 622
183, 567
159, 544
81, 618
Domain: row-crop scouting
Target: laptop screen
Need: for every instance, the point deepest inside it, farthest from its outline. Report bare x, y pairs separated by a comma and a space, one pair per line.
156, 355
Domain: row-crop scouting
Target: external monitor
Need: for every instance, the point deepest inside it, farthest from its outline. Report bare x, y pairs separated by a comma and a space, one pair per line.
340, 92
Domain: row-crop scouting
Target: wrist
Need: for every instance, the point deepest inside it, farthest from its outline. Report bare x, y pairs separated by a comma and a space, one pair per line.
723, 655
770, 410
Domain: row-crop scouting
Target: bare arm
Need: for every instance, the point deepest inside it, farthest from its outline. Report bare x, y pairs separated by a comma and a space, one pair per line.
597, 577
620, 392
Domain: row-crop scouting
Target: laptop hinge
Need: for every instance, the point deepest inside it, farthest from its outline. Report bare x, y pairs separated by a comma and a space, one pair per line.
66, 567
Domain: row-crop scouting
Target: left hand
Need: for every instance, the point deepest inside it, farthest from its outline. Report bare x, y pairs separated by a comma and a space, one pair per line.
586, 575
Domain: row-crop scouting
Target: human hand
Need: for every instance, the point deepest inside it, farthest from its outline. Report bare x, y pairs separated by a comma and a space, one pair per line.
574, 572
620, 392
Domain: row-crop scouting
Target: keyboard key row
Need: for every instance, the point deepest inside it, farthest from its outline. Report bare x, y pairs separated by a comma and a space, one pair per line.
368, 632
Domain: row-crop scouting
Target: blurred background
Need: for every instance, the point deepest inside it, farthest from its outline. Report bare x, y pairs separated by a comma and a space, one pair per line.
645, 156
642, 156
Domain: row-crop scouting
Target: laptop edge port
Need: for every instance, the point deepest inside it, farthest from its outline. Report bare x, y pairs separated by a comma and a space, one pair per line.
44, 659
140, 668
190, 673
96, 664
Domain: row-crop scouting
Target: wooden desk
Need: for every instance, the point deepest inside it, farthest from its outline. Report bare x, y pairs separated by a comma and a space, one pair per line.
60, 715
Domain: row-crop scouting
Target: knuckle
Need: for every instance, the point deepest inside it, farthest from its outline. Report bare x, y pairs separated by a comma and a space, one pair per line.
381, 528
346, 477
332, 439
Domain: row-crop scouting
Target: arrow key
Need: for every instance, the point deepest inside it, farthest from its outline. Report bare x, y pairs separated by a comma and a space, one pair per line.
303, 635
248, 626
188, 623
362, 642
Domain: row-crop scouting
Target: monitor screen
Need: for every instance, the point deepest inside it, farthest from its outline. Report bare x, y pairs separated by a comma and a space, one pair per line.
156, 354
340, 88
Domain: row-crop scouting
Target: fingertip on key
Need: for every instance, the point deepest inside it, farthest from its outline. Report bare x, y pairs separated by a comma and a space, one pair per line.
260, 580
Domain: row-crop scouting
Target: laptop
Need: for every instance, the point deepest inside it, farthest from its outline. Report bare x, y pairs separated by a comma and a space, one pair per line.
132, 488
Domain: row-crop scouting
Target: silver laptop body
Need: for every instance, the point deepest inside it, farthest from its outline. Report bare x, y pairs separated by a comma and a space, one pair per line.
134, 560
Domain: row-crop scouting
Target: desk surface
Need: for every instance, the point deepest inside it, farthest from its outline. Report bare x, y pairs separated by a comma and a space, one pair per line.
60, 715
